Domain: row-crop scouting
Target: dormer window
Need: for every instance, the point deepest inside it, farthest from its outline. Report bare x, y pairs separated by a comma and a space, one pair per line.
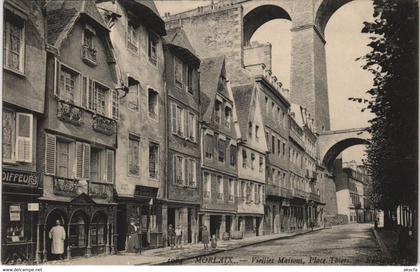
153, 103
178, 70
250, 130
152, 48
132, 39
257, 133
88, 47
218, 111
228, 114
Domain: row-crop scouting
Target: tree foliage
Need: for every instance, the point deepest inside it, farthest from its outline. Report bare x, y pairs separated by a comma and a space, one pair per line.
392, 155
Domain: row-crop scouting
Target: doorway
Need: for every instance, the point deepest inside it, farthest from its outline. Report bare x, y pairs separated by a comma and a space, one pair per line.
228, 224
121, 226
215, 222
189, 228
53, 216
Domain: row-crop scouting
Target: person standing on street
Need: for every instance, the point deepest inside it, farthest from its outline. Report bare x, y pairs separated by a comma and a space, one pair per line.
205, 237
133, 242
171, 236
178, 233
58, 236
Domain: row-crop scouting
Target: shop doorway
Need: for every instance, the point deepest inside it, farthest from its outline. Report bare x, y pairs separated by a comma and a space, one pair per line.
215, 222
77, 237
99, 233
257, 227
171, 217
121, 226
52, 217
200, 227
228, 224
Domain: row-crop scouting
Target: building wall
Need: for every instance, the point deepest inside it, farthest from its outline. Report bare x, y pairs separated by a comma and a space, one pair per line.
30, 85
138, 66
257, 53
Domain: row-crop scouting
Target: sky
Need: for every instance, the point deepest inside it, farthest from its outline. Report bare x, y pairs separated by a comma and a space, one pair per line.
345, 43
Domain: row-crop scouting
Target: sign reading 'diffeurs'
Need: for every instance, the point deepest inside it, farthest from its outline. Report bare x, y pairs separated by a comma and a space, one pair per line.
20, 177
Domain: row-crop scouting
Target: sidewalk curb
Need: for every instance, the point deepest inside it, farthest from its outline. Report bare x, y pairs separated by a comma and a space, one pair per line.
381, 243
178, 261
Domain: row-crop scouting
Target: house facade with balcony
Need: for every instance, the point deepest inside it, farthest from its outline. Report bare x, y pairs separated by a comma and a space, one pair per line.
77, 138
252, 150
183, 187
218, 149
24, 59
136, 31
274, 105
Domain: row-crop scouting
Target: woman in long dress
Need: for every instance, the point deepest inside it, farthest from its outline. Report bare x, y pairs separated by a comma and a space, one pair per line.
205, 237
133, 243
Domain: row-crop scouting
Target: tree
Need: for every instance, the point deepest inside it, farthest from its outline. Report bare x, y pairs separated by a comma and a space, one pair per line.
392, 155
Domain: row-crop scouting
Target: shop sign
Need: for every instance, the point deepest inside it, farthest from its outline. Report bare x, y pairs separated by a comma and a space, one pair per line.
20, 177
144, 191
33, 207
14, 212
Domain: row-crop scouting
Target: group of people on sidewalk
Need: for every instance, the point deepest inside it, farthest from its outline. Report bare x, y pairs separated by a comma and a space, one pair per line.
175, 237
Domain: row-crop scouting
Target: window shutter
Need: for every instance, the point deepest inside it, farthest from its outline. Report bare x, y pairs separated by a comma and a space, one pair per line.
187, 123
86, 161
110, 165
85, 93
50, 154
79, 160
56, 76
24, 125
173, 117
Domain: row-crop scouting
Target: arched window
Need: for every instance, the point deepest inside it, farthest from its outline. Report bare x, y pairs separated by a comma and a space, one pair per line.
77, 236
98, 230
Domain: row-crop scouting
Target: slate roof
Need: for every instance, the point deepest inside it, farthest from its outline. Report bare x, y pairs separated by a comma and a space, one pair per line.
177, 38
147, 11
210, 70
63, 14
245, 111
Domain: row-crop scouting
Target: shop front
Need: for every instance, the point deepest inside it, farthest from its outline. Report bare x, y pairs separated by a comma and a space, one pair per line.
20, 209
147, 213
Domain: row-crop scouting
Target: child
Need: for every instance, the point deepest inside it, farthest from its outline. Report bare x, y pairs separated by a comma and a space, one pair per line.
213, 241
205, 234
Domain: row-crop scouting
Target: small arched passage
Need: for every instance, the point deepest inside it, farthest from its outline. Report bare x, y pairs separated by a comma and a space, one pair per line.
51, 218
337, 148
78, 233
259, 16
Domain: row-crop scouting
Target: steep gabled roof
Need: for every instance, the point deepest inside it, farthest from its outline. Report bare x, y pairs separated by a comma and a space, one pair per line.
63, 14
210, 71
243, 98
178, 40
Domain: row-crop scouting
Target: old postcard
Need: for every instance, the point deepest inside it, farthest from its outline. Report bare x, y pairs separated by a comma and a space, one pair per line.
222, 132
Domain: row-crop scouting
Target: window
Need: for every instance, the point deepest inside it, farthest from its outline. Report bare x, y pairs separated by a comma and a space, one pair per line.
179, 170
114, 105
273, 144
191, 172
257, 133
132, 40
178, 70
15, 226
100, 99
243, 191
232, 155
177, 120
218, 111
14, 43
153, 160
133, 96
219, 187
244, 159
98, 229
256, 194
266, 104
101, 165
272, 109
261, 163
152, 48
228, 114
133, 157
267, 138
17, 136
284, 149
189, 75
248, 193
221, 145
153, 104
231, 190
78, 231
209, 145
88, 47
252, 161
63, 159
278, 147
207, 185
68, 84
250, 130
191, 125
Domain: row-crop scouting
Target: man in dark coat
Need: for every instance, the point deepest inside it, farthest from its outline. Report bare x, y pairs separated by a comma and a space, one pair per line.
133, 242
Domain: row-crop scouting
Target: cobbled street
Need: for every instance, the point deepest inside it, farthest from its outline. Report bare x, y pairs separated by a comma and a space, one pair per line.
352, 244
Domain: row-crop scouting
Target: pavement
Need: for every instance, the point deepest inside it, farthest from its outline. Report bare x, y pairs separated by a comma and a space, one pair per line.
167, 256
